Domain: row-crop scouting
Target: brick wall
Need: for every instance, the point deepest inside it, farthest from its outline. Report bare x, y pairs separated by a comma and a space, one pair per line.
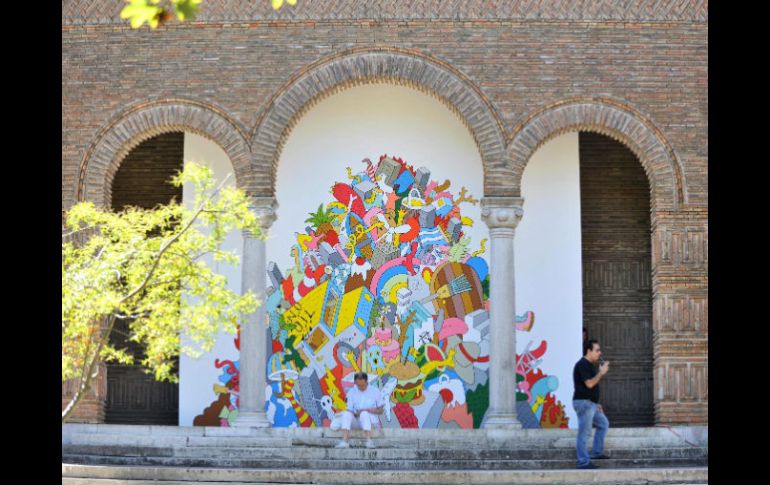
653, 60
519, 66
91, 407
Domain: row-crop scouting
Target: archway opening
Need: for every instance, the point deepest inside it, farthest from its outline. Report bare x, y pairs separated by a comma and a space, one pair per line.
134, 397
374, 312
617, 277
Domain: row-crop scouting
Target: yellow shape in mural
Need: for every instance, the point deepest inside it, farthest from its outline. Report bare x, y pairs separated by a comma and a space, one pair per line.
349, 308
333, 390
306, 313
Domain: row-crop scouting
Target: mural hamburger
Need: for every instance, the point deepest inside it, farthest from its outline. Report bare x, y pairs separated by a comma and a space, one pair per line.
409, 383
388, 254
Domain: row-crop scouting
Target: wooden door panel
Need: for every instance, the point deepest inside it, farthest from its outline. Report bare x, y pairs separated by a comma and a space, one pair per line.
617, 282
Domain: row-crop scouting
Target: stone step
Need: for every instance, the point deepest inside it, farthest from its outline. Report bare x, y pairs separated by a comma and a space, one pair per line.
358, 452
175, 441
107, 481
416, 442
372, 464
695, 434
506, 443
75, 474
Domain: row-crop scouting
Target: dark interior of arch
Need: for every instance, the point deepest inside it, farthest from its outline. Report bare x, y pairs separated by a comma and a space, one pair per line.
617, 281
134, 397
142, 178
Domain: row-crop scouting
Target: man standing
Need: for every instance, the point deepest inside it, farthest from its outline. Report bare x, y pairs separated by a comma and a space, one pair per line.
586, 404
363, 404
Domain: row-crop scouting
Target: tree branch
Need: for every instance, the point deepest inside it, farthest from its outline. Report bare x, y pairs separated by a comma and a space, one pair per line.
171, 241
87, 380
69, 234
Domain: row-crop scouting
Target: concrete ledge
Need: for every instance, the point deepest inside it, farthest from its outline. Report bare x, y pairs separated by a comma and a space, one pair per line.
180, 437
647, 475
696, 434
357, 452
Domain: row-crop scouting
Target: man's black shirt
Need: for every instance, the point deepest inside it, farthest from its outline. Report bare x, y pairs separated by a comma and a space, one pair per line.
584, 371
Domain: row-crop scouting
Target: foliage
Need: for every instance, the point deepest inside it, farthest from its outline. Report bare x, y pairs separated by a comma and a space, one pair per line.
157, 12
147, 266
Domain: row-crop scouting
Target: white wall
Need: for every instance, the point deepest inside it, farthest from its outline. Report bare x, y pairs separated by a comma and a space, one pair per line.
548, 261
369, 121
198, 376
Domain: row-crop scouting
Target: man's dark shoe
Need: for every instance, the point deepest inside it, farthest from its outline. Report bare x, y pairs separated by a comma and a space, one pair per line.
601, 457
590, 466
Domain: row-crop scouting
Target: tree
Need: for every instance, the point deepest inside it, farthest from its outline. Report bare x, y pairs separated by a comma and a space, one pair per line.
157, 12
146, 266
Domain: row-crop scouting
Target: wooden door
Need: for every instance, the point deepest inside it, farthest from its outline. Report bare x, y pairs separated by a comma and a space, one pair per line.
617, 289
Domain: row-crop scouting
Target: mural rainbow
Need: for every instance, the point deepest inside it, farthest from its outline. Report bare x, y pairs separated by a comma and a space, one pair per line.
384, 280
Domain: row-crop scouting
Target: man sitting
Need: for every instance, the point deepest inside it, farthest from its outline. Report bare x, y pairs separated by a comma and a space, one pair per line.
363, 404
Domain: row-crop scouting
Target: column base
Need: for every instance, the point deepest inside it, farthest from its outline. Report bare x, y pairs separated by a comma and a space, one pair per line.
501, 421
252, 420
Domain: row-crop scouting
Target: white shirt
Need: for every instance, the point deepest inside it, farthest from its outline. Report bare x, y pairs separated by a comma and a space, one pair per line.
360, 400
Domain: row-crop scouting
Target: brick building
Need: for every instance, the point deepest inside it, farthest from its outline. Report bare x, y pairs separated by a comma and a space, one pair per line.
631, 78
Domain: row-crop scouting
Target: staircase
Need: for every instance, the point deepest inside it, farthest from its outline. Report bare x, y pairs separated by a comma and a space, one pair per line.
111, 454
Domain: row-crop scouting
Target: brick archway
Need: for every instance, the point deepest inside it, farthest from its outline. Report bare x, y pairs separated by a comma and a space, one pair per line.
365, 66
668, 204
145, 121
667, 186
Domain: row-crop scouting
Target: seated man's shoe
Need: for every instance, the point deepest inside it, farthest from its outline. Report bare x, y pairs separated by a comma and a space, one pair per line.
343, 444
369, 444
603, 456
589, 466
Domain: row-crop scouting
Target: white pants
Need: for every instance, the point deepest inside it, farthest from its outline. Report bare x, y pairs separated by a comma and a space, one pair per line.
364, 421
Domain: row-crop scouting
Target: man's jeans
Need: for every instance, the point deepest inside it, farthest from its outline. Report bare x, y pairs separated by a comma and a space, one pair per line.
588, 413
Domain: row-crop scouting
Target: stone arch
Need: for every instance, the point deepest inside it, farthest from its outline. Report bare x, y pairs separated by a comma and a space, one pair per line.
366, 66
613, 119
149, 119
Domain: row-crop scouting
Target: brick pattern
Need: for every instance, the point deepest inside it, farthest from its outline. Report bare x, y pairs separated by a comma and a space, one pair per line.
618, 122
680, 307
684, 314
516, 69
687, 383
356, 67
91, 408
108, 11
680, 243
102, 159
639, 79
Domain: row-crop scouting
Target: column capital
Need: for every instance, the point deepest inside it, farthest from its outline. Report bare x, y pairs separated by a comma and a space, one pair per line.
502, 212
265, 209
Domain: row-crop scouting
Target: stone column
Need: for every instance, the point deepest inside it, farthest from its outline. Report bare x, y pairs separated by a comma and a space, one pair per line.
253, 334
502, 215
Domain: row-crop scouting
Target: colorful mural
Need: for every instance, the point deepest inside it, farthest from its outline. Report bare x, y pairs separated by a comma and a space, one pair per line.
384, 280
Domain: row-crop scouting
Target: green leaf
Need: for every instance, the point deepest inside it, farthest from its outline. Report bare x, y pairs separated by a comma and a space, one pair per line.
186, 9
153, 266
141, 11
